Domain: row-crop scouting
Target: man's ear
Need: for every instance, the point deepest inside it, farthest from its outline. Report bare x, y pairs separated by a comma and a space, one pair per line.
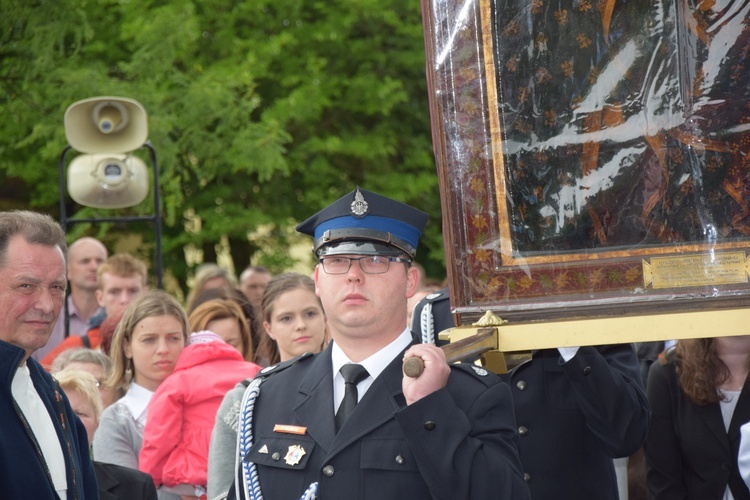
315, 279
100, 297
412, 281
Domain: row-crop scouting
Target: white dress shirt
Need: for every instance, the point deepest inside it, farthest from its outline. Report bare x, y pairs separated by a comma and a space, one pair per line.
39, 420
136, 401
375, 364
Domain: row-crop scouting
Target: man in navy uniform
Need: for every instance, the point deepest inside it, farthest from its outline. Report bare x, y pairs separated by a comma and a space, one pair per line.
447, 434
577, 408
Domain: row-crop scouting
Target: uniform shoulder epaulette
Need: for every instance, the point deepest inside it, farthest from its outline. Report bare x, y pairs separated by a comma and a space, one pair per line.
437, 296
479, 372
280, 367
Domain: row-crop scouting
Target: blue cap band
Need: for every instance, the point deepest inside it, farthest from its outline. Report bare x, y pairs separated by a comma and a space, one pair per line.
406, 232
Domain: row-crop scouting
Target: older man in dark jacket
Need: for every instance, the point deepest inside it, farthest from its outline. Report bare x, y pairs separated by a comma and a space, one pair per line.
43, 445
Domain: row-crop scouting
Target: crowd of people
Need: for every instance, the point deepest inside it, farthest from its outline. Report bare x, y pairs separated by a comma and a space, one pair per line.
291, 386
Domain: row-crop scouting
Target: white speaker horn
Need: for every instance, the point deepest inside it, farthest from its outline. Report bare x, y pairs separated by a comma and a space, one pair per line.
107, 180
106, 125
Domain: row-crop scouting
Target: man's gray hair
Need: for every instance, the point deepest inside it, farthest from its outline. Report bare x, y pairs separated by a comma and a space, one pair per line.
35, 228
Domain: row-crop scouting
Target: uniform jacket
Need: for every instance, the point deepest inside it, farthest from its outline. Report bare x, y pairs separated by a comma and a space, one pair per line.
121, 483
182, 412
457, 443
689, 453
23, 472
574, 418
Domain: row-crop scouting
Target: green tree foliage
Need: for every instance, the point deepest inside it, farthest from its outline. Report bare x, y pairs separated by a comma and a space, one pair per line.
261, 112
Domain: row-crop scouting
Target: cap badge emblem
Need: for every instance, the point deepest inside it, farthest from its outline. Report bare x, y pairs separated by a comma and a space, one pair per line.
359, 205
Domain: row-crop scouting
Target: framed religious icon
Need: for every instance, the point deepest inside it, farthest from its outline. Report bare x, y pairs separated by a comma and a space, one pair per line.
593, 155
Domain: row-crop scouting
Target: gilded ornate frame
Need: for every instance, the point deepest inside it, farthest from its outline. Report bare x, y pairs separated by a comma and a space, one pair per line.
484, 268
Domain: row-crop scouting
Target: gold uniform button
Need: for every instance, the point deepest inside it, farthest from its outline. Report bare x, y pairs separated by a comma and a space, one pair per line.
328, 470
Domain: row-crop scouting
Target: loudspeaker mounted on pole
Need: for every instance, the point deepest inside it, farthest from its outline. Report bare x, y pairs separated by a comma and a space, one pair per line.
107, 130
106, 125
108, 180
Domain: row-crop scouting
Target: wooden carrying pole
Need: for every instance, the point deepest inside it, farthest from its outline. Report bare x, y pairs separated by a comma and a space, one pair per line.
461, 350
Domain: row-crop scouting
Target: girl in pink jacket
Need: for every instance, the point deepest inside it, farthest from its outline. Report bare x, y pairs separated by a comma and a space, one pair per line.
182, 412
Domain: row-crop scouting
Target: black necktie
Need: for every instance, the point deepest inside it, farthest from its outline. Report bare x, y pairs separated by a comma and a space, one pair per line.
353, 375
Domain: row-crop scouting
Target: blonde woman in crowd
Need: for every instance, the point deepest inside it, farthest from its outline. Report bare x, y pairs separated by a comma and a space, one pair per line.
145, 349
80, 387
295, 323
115, 482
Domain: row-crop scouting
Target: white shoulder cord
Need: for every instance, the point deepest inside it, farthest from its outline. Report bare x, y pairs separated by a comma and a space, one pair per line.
427, 324
250, 483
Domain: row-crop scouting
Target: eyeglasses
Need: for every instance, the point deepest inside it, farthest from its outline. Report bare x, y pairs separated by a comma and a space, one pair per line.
370, 264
